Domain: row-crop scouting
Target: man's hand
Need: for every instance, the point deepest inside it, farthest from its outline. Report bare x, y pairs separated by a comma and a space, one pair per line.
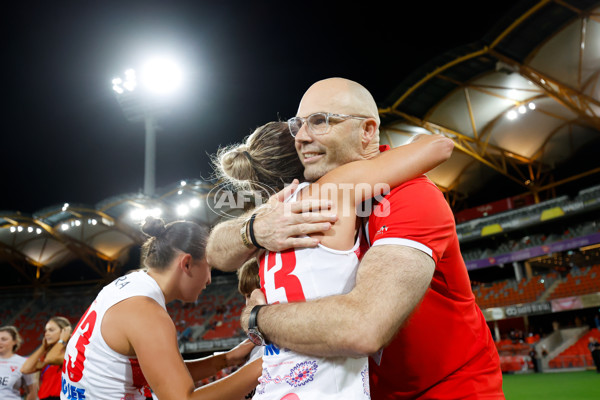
257, 297
279, 226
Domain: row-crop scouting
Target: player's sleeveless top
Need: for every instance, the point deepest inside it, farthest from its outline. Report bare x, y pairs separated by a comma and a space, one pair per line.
11, 377
299, 275
92, 370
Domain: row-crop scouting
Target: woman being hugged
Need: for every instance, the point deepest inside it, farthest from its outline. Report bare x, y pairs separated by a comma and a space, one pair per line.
48, 358
12, 380
125, 345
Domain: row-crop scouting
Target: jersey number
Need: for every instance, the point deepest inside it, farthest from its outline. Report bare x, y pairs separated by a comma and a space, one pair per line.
283, 278
87, 323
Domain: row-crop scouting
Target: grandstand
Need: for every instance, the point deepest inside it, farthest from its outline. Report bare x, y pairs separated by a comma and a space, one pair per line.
525, 194
539, 276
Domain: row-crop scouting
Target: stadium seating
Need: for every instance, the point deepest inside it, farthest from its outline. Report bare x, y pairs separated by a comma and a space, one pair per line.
217, 311
514, 356
578, 282
508, 292
577, 355
32, 317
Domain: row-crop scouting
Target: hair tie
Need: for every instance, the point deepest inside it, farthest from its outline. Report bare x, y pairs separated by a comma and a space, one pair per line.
161, 231
248, 156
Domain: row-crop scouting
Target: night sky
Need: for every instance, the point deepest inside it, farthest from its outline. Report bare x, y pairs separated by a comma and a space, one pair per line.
66, 139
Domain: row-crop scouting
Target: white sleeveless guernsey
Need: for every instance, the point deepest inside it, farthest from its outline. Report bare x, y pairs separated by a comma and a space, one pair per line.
299, 275
92, 370
11, 377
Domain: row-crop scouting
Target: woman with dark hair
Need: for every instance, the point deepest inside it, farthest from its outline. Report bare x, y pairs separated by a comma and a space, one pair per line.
125, 345
48, 358
12, 380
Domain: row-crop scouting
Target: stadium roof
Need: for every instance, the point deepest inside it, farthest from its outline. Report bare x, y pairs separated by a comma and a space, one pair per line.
99, 236
520, 105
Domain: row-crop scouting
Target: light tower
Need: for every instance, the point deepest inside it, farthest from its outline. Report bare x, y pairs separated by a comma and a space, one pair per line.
144, 98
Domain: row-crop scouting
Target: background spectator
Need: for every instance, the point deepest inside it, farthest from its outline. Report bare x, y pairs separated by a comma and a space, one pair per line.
48, 358
12, 380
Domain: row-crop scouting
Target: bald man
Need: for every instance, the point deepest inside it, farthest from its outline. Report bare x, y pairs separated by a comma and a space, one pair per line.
412, 297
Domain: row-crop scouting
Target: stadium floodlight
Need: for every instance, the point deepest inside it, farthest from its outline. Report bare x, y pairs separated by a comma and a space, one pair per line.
161, 76
140, 214
182, 210
145, 98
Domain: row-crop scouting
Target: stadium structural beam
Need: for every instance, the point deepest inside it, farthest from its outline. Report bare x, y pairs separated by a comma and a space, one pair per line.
471, 147
573, 99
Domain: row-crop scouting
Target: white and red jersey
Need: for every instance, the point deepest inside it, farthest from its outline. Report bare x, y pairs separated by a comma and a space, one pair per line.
299, 275
12, 380
92, 370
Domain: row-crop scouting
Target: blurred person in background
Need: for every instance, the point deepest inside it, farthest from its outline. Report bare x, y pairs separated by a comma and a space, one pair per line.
48, 358
12, 381
594, 347
535, 359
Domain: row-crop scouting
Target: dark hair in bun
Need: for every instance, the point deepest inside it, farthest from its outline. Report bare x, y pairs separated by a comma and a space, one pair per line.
153, 227
165, 240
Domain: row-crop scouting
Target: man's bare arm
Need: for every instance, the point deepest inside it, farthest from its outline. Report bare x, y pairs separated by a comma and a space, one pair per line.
278, 226
225, 249
390, 283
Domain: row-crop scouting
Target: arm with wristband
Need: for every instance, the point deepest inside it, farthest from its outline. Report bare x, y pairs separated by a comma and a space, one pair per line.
390, 283
275, 226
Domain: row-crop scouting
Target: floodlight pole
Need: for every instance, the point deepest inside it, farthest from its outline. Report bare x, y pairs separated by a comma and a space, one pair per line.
150, 158
141, 105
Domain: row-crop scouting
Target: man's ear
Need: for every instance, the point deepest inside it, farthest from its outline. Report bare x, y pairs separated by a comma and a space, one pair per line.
369, 131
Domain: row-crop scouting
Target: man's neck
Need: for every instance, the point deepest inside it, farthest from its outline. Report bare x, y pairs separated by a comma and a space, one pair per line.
371, 150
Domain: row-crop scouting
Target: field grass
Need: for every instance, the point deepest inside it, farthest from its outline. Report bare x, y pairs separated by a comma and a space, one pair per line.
582, 385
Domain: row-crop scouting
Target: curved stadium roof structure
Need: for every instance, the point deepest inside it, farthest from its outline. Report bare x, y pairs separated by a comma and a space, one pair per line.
522, 107
39, 246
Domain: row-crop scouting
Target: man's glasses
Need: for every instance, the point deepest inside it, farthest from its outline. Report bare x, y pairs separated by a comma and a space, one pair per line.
318, 123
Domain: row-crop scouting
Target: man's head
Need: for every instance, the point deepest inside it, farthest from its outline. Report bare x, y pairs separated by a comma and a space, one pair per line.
350, 137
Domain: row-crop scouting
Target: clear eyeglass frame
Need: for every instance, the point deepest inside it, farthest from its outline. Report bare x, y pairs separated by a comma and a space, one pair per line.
318, 123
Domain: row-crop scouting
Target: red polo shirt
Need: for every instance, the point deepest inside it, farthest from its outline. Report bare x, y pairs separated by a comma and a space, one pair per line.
445, 349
